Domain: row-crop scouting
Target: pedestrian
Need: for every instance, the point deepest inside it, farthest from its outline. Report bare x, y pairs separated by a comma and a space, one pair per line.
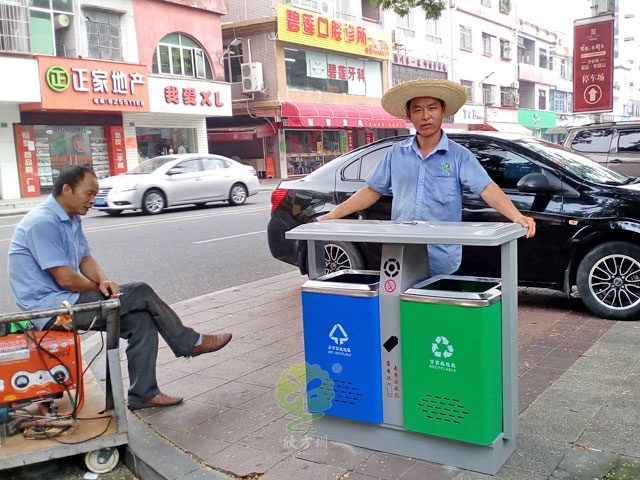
182, 148
50, 262
428, 171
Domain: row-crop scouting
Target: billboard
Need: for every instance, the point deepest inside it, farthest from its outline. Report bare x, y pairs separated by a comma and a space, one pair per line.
593, 64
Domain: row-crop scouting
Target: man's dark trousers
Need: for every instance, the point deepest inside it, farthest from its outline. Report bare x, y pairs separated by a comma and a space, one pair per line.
143, 314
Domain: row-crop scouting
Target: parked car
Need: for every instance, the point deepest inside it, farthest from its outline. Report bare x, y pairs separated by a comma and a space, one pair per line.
588, 218
615, 145
169, 180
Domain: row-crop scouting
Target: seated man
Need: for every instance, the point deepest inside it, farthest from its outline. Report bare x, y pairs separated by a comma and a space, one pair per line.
50, 262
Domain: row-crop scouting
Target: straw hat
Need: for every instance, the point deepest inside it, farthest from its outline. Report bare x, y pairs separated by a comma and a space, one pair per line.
452, 94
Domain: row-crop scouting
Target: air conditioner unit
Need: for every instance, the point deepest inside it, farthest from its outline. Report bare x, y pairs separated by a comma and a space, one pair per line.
515, 84
603, 6
252, 79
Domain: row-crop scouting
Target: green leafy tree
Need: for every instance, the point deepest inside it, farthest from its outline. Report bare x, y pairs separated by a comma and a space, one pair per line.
432, 8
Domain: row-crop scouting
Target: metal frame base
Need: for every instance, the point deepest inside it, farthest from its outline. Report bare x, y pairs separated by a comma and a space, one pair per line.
390, 439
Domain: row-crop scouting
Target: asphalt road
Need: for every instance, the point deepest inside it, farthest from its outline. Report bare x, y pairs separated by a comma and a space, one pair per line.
183, 253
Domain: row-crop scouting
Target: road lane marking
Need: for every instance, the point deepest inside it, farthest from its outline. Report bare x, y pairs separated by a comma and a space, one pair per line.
229, 237
119, 226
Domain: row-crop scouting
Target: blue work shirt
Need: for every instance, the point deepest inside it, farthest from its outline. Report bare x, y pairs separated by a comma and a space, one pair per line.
429, 189
46, 237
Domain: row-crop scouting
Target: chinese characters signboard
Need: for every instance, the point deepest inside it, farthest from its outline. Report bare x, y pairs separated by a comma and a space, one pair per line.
314, 29
116, 146
593, 64
72, 84
27, 161
198, 97
419, 63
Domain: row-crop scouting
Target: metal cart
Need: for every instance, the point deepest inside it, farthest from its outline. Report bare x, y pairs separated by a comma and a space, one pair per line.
107, 428
404, 262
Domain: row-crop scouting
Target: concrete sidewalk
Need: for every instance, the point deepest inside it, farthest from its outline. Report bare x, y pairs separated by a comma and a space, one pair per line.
579, 398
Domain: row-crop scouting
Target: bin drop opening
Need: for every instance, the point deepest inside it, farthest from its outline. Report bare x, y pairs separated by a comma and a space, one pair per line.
455, 285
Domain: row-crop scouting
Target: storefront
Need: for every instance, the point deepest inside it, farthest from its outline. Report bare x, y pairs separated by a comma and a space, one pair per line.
501, 119
176, 122
78, 120
538, 121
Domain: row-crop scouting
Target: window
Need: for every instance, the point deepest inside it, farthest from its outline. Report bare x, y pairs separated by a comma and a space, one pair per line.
359, 169
542, 99
469, 86
543, 58
406, 24
432, 32
596, 140
487, 94
403, 73
189, 166
558, 102
564, 69
629, 141
213, 163
311, 4
103, 35
465, 38
51, 27
232, 63
508, 97
369, 10
504, 167
179, 54
505, 49
14, 27
343, 10
486, 44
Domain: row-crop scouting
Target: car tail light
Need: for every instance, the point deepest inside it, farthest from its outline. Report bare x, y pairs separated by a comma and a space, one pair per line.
276, 197
253, 172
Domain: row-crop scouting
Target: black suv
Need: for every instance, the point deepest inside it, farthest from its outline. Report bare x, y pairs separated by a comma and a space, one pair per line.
614, 145
588, 218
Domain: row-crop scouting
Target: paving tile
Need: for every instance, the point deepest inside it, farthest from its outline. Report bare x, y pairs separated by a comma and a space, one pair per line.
505, 473
586, 404
231, 369
266, 404
576, 381
612, 436
584, 463
232, 425
184, 416
269, 354
194, 364
275, 438
531, 354
191, 386
321, 450
422, 470
266, 377
242, 461
385, 465
622, 405
231, 393
165, 375
537, 455
555, 426
295, 468
200, 445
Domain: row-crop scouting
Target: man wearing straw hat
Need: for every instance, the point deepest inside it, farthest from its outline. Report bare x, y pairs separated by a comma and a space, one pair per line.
427, 172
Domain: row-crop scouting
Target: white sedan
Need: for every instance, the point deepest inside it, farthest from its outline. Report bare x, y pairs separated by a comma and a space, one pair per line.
180, 179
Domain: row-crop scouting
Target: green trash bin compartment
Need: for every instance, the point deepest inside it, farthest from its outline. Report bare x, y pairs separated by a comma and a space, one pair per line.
452, 369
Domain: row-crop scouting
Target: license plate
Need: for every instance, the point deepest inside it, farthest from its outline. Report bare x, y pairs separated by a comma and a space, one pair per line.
100, 202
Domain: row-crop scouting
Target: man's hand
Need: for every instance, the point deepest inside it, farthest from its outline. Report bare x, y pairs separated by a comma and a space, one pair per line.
109, 289
528, 223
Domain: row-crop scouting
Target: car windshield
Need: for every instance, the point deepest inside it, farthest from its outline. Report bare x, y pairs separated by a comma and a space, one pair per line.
580, 166
150, 166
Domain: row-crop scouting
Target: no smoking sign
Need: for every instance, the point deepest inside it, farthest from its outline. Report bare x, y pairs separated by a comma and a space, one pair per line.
390, 286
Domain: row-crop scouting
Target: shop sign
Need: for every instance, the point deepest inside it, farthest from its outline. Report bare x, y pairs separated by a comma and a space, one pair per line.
27, 161
368, 137
88, 85
503, 115
593, 64
311, 28
536, 118
470, 114
117, 148
196, 97
419, 63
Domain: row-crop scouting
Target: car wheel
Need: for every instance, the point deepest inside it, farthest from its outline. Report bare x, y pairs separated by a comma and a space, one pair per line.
238, 194
113, 212
153, 202
609, 280
342, 256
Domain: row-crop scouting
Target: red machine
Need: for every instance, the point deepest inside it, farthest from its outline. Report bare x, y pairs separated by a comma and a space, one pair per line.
38, 366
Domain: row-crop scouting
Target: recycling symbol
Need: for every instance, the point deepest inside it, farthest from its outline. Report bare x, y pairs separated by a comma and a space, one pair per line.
441, 347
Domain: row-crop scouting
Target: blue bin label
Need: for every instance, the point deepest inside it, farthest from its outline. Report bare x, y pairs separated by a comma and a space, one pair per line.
339, 337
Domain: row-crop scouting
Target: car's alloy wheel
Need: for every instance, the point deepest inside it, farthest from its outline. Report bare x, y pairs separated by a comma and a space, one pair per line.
341, 256
238, 194
153, 202
609, 280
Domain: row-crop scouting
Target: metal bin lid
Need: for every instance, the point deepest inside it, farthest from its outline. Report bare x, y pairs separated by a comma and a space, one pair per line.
457, 290
351, 283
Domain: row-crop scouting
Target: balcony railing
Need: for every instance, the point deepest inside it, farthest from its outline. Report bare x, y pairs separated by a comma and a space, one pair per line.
14, 26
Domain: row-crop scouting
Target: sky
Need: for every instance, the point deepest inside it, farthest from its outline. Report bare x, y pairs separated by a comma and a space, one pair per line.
554, 14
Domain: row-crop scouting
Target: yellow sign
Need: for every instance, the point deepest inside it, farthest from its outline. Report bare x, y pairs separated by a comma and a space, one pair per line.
317, 30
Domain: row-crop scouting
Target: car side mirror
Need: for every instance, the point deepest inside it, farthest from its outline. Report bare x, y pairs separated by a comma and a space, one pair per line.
537, 183
174, 171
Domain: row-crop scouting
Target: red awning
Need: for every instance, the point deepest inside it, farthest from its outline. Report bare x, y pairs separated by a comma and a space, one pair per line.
249, 132
296, 114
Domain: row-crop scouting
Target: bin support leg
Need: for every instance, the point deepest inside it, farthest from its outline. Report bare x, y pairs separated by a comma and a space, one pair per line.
509, 269
315, 254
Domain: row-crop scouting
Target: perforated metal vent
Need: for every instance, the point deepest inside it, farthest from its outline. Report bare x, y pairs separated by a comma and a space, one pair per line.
344, 392
443, 409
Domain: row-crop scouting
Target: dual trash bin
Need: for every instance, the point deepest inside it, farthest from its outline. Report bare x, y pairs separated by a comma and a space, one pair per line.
450, 346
